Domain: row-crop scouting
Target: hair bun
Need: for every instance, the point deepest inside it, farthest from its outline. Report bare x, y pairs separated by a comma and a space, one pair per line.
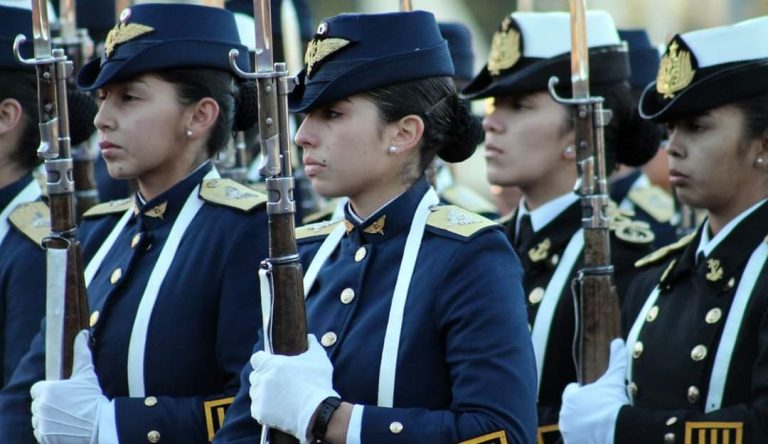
466, 134
247, 106
82, 111
639, 140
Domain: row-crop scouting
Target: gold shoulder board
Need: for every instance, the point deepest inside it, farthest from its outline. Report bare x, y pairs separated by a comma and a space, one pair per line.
228, 193
458, 220
317, 229
468, 198
654, 201
665, 251
33, 219
113, 206
505, 218
628, 229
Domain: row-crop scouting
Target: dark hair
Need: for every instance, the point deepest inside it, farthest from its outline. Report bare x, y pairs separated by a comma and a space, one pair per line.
629, 139
755, 110
194, 84
450, 129
22, 86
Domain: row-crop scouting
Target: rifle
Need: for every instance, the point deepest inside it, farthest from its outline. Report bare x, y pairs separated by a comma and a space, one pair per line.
287, 329
594, 290
406, 5
78, 47
66, 301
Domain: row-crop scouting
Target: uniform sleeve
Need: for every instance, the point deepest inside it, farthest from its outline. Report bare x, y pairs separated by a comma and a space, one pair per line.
735, 424
196, 418
15, 400
481, 315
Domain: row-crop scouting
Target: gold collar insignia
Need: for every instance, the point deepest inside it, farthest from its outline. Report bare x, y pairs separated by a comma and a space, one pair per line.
505, 48
348, 226
715, 270
377, 227
318, 49
124, 33
157, 211
541, 251
675, 71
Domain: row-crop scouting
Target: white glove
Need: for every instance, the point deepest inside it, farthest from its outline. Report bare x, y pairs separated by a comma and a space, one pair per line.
286, 390
588, 414
67, 411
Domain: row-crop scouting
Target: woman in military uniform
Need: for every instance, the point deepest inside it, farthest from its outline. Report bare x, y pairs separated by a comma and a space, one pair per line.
171, 273
695, 319
529, 142
417, 308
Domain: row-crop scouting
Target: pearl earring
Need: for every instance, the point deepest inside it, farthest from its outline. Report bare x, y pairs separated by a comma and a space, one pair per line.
189, 133
568, 151
392, 149
759, 161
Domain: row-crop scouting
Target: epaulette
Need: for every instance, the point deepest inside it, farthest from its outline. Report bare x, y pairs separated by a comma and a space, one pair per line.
654, 201
317, 229
627, 229
665, 251
469, 199
111, 207
503, 220
228, 193
458, 221
319, 216
33, 219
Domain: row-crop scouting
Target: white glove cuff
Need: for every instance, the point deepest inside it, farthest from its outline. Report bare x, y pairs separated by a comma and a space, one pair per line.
107, 428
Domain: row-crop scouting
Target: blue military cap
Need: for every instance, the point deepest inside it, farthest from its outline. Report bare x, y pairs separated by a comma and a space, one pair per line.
530, 47
153, 37
352, 53
643, 57
14, 21
704, 69
460, 46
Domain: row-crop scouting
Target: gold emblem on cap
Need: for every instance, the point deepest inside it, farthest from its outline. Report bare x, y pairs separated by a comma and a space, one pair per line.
318, 49
541, 251
124, 33
675, 71
377, 227
715, 270
505, 48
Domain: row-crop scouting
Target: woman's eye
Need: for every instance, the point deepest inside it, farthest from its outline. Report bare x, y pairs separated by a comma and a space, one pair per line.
330, 114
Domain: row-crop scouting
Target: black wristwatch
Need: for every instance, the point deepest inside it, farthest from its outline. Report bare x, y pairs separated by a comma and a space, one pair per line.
327, 407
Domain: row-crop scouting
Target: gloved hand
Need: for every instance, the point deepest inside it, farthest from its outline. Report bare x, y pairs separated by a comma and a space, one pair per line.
67, 411
286, 390
588, 414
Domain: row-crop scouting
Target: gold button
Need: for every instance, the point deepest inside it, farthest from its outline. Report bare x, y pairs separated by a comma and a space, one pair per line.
633, 389
653, 313
396, 427
669, 438
153, 436
328, 339
347, 295
150, 401
729, 286
360, 254
94, 318
693, 394
699, 353
672, 421
637, 350
135, 240
537, 294
713, 315
554, 260
116, 275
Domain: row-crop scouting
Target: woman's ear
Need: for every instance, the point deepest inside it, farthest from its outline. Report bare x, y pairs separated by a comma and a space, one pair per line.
202, 118
408, 133
11, 115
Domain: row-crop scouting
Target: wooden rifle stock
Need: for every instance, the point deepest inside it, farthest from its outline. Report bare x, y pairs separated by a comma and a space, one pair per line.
596, 299
287, 329
66, 301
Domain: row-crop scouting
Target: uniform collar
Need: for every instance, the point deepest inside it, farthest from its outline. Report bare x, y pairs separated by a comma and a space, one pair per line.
707, 244
9, 192
388, 221
165, 207
542, 216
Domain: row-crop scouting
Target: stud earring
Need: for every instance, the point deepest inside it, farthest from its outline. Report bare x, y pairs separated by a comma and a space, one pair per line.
189, 133
392, 149
569, 150
759, 161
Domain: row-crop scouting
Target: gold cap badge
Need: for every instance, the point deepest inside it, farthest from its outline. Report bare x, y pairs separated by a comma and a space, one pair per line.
675, 71
123, 32
505, 48
318, 49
